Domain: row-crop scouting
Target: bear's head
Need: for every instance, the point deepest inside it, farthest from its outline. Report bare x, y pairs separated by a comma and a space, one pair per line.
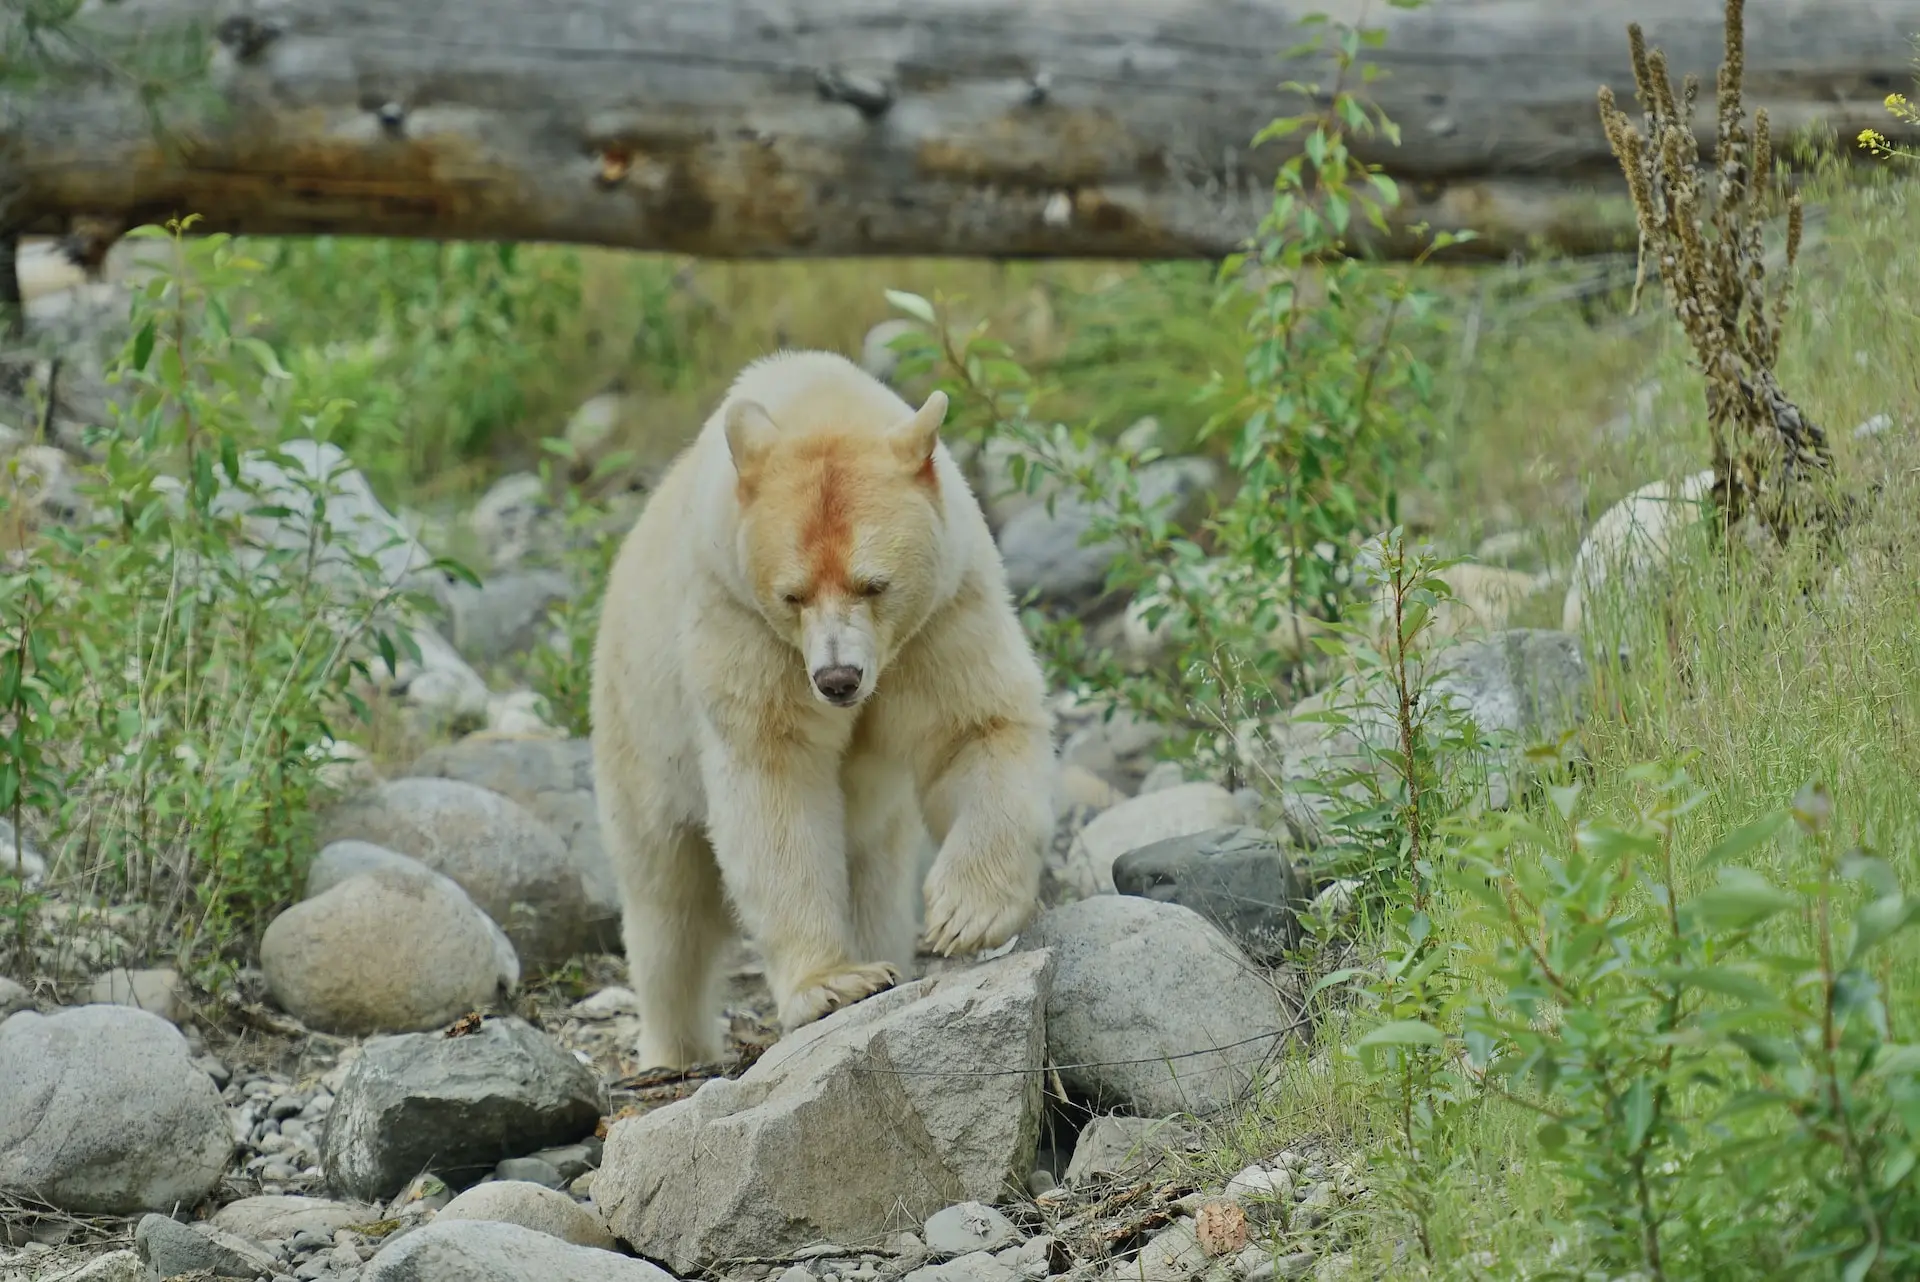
841, 532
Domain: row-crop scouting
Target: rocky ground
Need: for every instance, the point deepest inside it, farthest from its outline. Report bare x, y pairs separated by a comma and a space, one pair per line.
427, 1075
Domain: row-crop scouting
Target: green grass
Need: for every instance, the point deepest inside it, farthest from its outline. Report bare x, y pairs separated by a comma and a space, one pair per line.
1767, 689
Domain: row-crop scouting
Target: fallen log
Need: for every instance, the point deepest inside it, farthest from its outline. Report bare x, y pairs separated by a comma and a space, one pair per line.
992, 128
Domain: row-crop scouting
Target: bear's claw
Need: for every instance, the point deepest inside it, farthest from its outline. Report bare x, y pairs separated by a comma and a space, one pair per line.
827, 992
957, 926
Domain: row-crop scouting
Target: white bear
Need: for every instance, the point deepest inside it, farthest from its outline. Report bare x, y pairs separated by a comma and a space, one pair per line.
809, 671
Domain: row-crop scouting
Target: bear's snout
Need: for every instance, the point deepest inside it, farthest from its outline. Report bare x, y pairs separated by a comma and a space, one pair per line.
839, 684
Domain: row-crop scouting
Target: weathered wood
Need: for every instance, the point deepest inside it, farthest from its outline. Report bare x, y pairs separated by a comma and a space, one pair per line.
1002, 128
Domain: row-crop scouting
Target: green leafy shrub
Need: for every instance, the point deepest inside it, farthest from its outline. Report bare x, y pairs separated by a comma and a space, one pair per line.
1718, 1086
436, 343
1323, 420
172, 678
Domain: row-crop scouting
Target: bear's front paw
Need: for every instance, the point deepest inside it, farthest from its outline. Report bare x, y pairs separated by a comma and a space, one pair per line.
965, 915
826, 992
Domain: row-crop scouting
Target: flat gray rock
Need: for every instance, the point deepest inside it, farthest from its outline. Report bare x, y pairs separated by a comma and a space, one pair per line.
277, 1217
1116, 1146
967, 1227
899, 1105
171, 1249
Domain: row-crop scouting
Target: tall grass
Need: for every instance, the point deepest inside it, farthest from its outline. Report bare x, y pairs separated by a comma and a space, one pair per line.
1762, 687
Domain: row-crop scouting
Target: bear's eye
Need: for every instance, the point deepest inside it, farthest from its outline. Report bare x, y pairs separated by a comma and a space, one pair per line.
794, 598
873, 587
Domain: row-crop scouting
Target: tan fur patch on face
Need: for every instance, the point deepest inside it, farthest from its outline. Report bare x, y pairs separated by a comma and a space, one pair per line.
828, 510
826, 536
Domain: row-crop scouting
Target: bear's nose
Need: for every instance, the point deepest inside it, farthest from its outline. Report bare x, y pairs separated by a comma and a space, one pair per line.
837, 684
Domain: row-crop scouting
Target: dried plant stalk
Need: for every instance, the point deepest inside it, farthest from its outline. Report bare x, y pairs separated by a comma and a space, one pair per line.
1770, 461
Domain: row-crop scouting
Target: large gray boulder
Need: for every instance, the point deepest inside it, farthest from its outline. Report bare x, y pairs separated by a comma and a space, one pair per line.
552, 778
484, 1251
102, 1112
897, 1106
275, 500
506, 615
1153, 1011
511, 864
455, 1106
388, 950
344, 859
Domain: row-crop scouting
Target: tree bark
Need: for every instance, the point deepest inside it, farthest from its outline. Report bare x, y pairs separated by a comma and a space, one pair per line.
995, 128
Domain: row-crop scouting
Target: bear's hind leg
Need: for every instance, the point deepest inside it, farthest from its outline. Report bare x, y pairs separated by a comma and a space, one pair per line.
675, 925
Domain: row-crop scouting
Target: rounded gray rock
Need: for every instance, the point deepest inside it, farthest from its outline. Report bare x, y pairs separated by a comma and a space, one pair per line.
158, 991
487, 1251
552, 778
102, 1113
343, 859
531, 1206
277, 1217
514, 867
1166, 1013
382, 951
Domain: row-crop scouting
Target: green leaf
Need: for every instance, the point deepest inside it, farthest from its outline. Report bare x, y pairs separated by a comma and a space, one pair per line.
143, 345
1896, 1061
1898, 1167
1745, 838
1875, 872
1742, 900
1639, 1110
1403, 1032
1552, 1136
1878, 920
269, 363
1812, 807
912, 304
1726, 981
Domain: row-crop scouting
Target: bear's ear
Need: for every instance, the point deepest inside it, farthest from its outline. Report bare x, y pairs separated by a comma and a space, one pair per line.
750, 434
915, 439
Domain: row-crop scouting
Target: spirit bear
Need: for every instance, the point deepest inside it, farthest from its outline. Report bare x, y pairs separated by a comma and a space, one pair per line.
809, 674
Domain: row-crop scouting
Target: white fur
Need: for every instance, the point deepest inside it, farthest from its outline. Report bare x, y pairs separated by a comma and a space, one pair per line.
728, 788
